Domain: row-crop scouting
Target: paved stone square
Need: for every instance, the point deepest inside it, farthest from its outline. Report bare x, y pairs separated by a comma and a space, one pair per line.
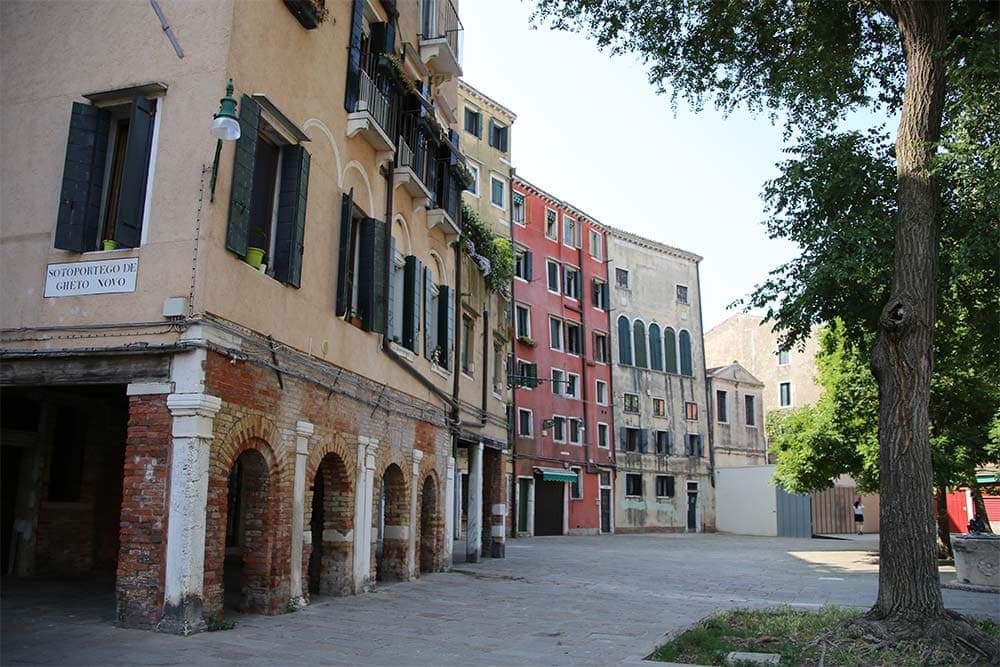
555, 600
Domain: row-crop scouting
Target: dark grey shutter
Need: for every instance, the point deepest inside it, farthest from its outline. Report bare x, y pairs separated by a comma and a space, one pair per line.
243, 165
643, 440
412, 272
344, 258
493, 139
670, 486
78, 219
390, 289
529, 270
605, 297
701, 452
670, 444
446, 325
429, 324
291, 223
372, 275
135, 172
354, 56
503, 140
622, 438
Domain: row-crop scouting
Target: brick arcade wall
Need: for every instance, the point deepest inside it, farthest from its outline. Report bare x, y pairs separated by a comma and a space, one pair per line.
430, 524
329, 506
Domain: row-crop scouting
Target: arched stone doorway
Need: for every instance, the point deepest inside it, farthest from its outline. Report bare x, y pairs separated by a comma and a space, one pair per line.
247, 561
430, 526
392, 527
330, 525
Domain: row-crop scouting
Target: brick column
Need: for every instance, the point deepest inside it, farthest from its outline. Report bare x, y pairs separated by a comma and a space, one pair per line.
363, 498
302, 432
193, 417
449, 512
495, 493
474, 524
411, 549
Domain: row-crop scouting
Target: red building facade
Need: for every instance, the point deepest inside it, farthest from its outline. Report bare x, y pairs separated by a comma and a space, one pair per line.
563, 447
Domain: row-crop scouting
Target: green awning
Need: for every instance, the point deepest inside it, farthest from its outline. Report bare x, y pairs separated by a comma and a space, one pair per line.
557, 475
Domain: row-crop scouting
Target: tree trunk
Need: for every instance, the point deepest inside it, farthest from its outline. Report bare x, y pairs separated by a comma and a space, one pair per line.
978, 504
943, 528
909, 589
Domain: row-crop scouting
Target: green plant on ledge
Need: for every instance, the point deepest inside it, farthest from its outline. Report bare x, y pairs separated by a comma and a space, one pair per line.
310, 13
492, 254
392, 66
526, 340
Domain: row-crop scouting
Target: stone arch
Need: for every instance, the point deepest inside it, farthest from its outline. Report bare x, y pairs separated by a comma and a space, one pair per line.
437, 269
321, 126
392, 524
357, 166
403, 243
242, 517
430, 525
329, 519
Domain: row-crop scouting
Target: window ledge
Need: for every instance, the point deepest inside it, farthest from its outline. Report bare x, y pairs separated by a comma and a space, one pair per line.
406, 353
443, 372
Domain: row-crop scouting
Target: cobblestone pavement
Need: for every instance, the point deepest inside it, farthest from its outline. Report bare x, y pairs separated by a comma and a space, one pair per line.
553, 600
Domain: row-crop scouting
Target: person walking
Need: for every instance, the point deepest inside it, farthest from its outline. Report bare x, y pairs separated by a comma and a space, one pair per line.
859, 515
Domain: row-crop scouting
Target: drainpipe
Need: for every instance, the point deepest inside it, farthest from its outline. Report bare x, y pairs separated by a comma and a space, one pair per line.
512, 421
456, 414
486, 357
708, 391
584, 380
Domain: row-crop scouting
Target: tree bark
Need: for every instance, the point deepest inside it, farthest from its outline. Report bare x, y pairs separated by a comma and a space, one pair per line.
943, 528
909, 588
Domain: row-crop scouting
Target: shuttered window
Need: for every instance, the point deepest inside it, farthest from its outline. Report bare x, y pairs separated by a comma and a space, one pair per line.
362, 278
413, 272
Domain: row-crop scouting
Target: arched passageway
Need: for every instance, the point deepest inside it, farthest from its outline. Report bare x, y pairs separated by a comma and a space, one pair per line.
392, 527
330, 524
430, 526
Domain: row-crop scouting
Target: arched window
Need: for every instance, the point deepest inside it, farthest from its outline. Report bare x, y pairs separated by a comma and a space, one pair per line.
685, 345
655, 348
624, 341
670, 345
639, 333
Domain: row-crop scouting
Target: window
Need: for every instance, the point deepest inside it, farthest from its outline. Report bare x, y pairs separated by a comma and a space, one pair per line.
551, 226
396, 296
527, 373
655, 348
522, 264
498, 136
624, 341
522, 320
571, 283
692, 445
663, 443
473, 188
467, 353
601, 393
557, 382
571, 233
555, 334
670, 347
783, 358
361, 293
630, 403
633, 484
552, 275
106, 175
559, 429
691, 412
600, 347
621, 278
575, 488
498, 190
750, 408
721, 411
574, 342
524, 423
664, 486
518, 212
439, 321
602, 435
575, 431
499, 358
633, 440
659, 407
685, 345
572, 385
639, 331
599, 294
682, 294
785, 394
595, 243
474, 122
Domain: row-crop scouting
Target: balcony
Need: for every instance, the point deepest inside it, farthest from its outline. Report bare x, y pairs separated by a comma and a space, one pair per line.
446, 209
441, 38
374, 117
414, 162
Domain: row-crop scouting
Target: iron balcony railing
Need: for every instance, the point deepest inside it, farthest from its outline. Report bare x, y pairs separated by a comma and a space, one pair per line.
440, 20
377, 95
414, 150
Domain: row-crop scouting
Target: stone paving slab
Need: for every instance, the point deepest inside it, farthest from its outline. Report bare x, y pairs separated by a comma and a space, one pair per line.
553, 601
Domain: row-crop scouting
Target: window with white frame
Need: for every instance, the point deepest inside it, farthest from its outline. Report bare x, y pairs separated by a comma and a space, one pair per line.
522, 263
524, 422
750, 408
633, 484
518, 213
555, 333
571, 232
398, 296
572, 385
602, 435
600, 347
621, 278
682, 294
599, 294
474, 171
659, 407
522, 320
474, 122
552, 275
785, 394
691, 411
664, 486
575, 431
784, 358
722, 407
596, 250
558, 382
551, 224
498, 192
601, 393
663, 443
466, 343
574, 342
571, 282
630, 403
559, 428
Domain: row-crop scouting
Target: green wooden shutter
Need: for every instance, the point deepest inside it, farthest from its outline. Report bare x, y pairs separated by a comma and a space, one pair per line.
605, 297
701, 452
429, 324
390, 290
243, 165
135, 173
670, 444
670, 347
643, 440
670, 486
446, 325
412, 272
291, 221
354, 56
622, 438
529, 265
372, 275
78, 219
344, 257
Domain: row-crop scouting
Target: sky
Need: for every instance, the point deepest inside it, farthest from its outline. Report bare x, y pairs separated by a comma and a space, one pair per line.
591, 130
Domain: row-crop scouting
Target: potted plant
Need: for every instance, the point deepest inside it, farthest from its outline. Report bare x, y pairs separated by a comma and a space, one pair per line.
255, 256
109, 244
310, 13
525, 340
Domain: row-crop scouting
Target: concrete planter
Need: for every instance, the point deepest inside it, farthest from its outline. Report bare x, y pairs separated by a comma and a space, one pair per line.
977, 560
